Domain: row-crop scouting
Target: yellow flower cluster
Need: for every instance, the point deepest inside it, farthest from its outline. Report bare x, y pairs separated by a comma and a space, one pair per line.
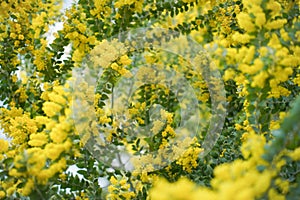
18, 125
251, 41
119, 189
182, 189
259, 66
240, 179
3, 146
78, 33
188, 160
168, 131
101, 9
120, 65
24, 24
135, 5
38, 142
107, 52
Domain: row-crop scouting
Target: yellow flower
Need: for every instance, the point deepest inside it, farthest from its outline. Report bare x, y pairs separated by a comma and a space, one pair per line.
14, 172
241, 38
2, 194
263, 182
38, 139
284, 35
260, 19
250, 54
41, 120
78, 55
113, 180
3, 145
104, 119
245, 194
11, 190
81, 27
274, 125
259, 79
13, 35
55, 168
14, 78
182, 189
124, 60
278, 91
258, 65
57, 98
21, 37
60, 132
290, 61
165, 115
128, 195
51, 109
274, 42
238, 127
273, 194
188, 156
274, 6
295, 155
26, 190
157, 126
297, 80
53, 151
115, 66
106, 52
276, 24
245, 22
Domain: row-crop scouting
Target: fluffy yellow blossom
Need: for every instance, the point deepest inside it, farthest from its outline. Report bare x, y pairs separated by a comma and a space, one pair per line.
274, 6
41, 120
119, 189
284, 35
273, 194
242, 38
53, 151
295, 155
3, 145
169, 131
179, 190
51, 109
166, 115
188, 160
260, 19
2, 194
276, 24
245, 22
253, 69
296, 80
59, 133
57, 98
260, 79
274, 42
106, 52
277, 91
55, 168
26, 190
100, 7
157, 126
38, 139
124, 60
290, 61
250, 54
78, 55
